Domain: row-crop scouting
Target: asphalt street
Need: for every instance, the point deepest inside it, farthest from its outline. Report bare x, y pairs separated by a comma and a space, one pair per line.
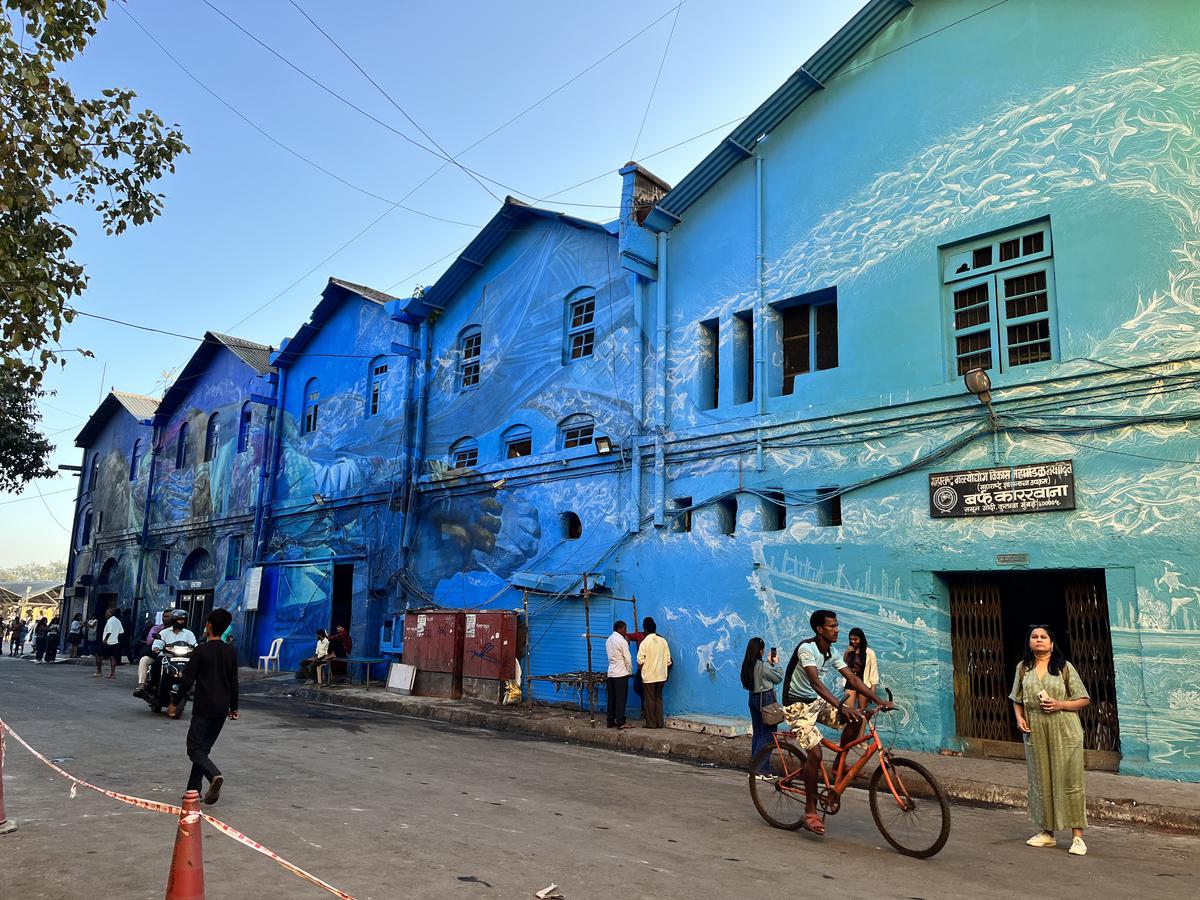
390, 807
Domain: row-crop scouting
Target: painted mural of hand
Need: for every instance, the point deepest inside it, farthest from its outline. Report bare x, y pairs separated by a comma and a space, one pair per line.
462, 534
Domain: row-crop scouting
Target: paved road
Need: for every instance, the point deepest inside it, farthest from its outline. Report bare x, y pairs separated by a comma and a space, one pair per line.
388, 807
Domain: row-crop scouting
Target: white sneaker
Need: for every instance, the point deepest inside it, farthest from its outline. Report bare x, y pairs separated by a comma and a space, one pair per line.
1078, 847
1043, 839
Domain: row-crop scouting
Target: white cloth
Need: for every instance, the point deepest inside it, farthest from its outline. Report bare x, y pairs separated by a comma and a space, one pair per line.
113, 629
171, 636
620, 663
322, 648
654, 656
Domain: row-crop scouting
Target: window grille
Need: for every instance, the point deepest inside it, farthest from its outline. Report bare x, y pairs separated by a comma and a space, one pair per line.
581, 327
182, 453
378, 377
312, 405
233, 559
244, 424
469, 348
212, 437
464, 454
810, 335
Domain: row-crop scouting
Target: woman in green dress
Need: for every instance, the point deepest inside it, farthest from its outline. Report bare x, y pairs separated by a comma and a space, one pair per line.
1047, 695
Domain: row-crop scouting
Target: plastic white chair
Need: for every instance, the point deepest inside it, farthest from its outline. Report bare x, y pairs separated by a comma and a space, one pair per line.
264, 662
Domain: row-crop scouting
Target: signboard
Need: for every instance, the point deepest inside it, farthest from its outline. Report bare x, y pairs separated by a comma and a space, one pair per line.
1038, 487
253, 586
421, 621
1012, 559
470, 625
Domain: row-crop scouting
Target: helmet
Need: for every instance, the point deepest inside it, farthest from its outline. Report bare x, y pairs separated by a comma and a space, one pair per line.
180, 616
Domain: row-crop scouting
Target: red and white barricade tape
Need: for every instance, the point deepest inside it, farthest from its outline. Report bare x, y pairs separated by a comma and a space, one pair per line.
155, 806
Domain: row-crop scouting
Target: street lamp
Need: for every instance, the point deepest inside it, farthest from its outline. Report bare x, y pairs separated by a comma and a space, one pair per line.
979, 384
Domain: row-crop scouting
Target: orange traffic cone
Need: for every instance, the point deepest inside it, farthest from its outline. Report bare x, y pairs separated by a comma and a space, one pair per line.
6, 825
186, 879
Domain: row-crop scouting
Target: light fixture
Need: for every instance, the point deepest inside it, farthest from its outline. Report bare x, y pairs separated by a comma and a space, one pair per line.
604, 445
497, 485
318, 499
979, 384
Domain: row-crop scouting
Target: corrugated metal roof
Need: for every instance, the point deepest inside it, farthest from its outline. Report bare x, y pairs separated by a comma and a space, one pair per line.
256, 356
140, 407
866, 25
367, 293
336, 292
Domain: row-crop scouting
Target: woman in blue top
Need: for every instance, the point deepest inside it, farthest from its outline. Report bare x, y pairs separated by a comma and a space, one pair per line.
759, 678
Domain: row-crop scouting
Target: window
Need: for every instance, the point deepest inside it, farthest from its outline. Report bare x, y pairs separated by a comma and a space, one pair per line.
464, 453
581, 323
244, 424
94, 473
518, 441
312, 405
810, 335
743, 324
135, 459
212, 437
829, 507
233, 559
681, 521
379, 369
1000, 296
470, 344
774, 511
576, 431
709, 350
164, 565
727, 511
572, 528
85, 534
182, 456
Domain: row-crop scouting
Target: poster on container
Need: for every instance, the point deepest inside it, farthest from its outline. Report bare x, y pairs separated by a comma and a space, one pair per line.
1037, 487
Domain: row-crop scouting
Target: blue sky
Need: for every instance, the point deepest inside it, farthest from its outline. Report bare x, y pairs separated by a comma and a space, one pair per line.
249, 225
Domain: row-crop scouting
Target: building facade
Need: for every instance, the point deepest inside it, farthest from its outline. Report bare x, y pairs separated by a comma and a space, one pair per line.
745, 399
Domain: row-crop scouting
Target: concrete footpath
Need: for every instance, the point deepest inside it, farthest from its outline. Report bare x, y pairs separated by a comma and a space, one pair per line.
1166, 805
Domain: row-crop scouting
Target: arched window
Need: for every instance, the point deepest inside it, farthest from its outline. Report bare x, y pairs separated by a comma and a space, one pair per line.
576, 431
135, 459
312, 404
212, 437
376, 378
244, 424
94, 473
85, 533
581, 323
464, 453
470, 346
182, 456
518, 441
572, 528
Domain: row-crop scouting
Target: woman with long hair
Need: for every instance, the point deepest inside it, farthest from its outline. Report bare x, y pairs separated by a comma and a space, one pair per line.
759, 678
862, 661
1047, 695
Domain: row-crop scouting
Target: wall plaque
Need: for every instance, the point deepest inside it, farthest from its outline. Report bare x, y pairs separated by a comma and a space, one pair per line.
1037, 487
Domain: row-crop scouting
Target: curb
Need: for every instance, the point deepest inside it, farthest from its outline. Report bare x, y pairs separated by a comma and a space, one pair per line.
579, 731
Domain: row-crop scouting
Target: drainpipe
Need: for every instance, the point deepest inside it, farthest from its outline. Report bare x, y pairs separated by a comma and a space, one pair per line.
155, 437
72, 551
639, 404
264, 472
660, 471
418, 449
272, 451
760, 311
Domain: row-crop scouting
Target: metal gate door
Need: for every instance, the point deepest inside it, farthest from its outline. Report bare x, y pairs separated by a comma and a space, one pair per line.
1092, 656
981, 684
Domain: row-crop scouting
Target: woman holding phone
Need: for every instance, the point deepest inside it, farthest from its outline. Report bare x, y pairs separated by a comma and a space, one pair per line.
759, 678
1047, 695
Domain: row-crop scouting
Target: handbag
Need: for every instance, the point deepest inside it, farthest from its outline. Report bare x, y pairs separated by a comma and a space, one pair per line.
772, 713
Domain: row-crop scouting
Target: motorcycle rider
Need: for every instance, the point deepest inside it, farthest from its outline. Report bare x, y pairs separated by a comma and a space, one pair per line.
148, 656
177, 632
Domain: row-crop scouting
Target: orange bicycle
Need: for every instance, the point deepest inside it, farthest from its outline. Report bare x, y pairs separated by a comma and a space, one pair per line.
907, 802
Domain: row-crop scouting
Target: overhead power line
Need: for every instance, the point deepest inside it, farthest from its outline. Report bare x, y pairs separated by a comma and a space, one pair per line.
650, 100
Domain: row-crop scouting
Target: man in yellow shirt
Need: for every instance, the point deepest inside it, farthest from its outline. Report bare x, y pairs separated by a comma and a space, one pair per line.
654, 658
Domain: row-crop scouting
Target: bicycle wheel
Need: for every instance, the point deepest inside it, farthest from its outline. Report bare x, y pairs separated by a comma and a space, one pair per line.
913, 814
779, 798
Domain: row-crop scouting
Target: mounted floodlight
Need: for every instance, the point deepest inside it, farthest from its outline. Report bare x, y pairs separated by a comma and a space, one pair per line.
979, 384
497, 485
319, 499
604, 445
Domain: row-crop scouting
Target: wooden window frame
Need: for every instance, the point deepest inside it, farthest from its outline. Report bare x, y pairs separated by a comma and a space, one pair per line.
470, 357
581, 326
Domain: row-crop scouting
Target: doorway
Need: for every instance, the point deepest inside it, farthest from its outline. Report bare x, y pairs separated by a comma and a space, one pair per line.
342, 601
990, 614
197, 605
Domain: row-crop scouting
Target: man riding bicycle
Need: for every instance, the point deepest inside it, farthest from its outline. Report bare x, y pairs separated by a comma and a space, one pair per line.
807, 701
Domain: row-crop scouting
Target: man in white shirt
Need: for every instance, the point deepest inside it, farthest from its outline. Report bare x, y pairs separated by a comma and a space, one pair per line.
174, 632
620, 667
654, 657
110, 644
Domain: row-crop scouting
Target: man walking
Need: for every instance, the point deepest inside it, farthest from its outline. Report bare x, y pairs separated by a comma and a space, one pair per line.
620, 667
654, 657
213, 671
110, 644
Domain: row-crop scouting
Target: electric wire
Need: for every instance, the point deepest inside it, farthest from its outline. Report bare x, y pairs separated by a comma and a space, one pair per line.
654, 87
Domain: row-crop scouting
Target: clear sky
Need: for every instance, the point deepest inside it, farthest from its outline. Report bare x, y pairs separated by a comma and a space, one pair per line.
251, 233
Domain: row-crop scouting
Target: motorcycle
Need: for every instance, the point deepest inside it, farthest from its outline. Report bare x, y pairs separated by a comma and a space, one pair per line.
165, 675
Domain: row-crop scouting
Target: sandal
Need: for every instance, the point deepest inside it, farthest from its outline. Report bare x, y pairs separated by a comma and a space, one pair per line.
813, 823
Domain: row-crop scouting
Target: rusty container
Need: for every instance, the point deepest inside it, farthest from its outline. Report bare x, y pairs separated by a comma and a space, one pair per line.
489, 653
433, 642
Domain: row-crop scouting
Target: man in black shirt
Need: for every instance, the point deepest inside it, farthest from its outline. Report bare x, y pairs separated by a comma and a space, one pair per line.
213, 671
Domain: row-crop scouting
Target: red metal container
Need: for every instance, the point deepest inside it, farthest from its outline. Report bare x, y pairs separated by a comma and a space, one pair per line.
490, 645
433, 642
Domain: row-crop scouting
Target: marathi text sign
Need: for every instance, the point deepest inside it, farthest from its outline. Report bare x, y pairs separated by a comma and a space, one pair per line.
1039, 487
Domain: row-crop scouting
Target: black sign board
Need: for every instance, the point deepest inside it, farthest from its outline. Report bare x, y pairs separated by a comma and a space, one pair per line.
1037, 487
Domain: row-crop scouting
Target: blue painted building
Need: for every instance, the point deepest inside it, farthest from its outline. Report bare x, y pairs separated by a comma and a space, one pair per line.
745, 399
